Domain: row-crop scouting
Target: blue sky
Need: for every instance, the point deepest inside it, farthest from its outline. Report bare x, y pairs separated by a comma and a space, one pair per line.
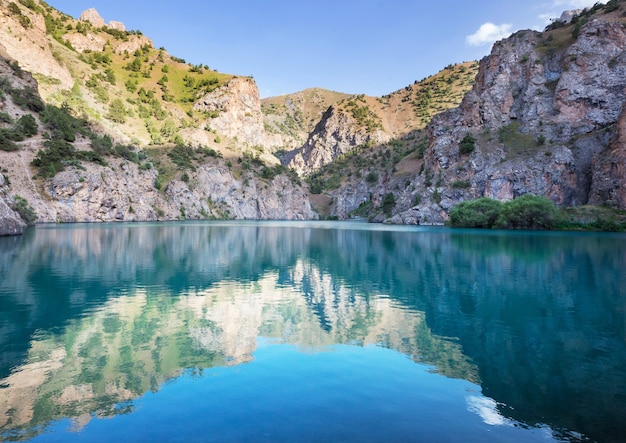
355, 46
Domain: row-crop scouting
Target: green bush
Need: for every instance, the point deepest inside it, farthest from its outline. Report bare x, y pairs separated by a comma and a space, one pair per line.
62, 124
127, 152
389, 202
525, 212
461, 184
371, 177
27, 125
55, 157
6, 141
481, 213
5, 118
528, 212
467, 145
27, 98
102, 145
58, 154
269, 172
26, 212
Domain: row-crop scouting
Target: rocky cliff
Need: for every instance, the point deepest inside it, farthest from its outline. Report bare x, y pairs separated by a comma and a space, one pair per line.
237, 109
545, 117
337, 133
194, 149
169, 183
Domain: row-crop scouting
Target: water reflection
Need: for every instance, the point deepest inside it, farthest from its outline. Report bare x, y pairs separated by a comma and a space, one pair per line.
95, 316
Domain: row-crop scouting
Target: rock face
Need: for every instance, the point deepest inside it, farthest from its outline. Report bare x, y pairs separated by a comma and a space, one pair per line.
16, 40
122, 192
86, 42
547, 118
337, 133
132, 44
10, 221
92, 16
238, 108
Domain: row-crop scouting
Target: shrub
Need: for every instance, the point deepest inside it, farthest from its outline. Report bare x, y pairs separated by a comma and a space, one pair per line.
528, 212
117, 111
55, 157
461, 184
127, 152
436, 197
389, 202
27, 98
6, 141
481, 213
26, 212
5, 118
467, 145
58, 154
102, 145
371, 177
62, 124
269, 172
27, 125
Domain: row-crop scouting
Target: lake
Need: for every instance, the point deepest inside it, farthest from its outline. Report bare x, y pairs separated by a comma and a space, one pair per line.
311, 331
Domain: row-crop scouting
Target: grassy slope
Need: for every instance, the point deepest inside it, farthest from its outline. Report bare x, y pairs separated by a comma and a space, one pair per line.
101, 77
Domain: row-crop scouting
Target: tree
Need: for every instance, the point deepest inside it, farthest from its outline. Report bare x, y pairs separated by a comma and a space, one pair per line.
481, 213
468, 143
389, 202
528, 212
27, 125
117, 111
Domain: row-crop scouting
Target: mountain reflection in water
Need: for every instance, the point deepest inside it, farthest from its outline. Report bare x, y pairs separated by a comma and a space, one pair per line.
93, 317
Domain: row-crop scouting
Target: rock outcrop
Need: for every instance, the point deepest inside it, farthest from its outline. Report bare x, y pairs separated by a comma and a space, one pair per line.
122, 192
92, 16
336, 134
237, 106
10, 221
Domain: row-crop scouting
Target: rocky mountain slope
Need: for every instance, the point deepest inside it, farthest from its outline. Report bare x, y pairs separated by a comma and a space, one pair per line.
64, 172
354, 122
545, 117
187, 142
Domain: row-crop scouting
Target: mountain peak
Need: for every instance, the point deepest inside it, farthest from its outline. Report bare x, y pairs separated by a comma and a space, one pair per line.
92, 16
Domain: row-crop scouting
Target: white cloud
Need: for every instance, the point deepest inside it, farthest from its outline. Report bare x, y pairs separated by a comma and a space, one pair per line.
487, 409
488, 33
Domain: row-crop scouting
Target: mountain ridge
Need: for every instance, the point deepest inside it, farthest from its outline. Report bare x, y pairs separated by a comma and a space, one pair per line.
203, 144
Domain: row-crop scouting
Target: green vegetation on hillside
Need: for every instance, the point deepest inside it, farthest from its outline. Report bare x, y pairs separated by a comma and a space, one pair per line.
442, 91
534, 212
362, 114
365, 162
137, 90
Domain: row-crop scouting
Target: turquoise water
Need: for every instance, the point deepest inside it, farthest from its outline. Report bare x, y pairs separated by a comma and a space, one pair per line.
316, 331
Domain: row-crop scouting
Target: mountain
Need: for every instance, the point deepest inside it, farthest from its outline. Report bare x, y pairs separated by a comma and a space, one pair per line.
545, 116
124, 131
98, 125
